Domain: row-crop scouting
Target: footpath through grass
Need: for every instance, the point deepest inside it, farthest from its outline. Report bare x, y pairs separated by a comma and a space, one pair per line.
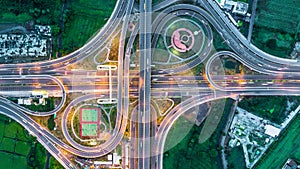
287, 146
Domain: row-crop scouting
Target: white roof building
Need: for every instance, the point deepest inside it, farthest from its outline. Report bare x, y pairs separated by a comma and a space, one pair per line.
20, 101
109, 157
27, 102
240, 8
272, 131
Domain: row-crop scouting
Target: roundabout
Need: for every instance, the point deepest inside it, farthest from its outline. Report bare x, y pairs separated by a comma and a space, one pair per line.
184, 40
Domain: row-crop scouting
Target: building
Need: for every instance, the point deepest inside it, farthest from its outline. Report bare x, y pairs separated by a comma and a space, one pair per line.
272, 131
240, 8
290, 164
296, 51
34, 44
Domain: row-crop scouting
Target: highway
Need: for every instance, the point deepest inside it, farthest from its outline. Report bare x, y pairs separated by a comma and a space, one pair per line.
96, 42
144, 84
38, 77
250, 53
35, 130
275, 76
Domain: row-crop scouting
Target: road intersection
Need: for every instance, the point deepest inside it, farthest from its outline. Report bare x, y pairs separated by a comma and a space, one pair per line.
275, 76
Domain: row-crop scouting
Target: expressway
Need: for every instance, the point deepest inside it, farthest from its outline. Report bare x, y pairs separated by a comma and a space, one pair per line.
144, 84
275, 80
164, 84
35, 130
38, 77
94, 44
184, 106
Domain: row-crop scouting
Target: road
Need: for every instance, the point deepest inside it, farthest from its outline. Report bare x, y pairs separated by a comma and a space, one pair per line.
252, 19
278, 77
144, 116
223, 137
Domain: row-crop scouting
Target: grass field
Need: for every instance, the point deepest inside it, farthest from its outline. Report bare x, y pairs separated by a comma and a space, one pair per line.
10, 161
235, 158
279, 15
287, 146
276, 26
19, 150
212, 120
189, 153
86, 18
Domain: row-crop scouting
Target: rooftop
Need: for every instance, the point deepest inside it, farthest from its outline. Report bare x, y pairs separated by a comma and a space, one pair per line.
272, 131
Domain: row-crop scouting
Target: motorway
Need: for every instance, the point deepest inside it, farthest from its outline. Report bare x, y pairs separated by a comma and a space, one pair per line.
145, 25
35, 130
277, 77
91, 46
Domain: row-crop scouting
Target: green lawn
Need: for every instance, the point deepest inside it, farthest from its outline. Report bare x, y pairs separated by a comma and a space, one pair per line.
14, 130
22, 148
189, 153
276, 24
7, 144
235, 158
16, 147
287, 146
272, 108
85, 19
10, 161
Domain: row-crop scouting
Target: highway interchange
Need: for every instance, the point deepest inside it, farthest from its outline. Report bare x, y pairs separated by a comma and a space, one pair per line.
276, 77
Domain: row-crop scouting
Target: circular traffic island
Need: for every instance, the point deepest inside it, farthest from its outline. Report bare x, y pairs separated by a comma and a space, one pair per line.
180, 41
184, 39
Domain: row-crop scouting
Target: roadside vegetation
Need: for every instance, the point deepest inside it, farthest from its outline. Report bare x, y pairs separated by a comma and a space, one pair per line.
218, 42
72, 22
277, 26
235, 158
18, 149
189, 153
287, 146
271, 108
54, 164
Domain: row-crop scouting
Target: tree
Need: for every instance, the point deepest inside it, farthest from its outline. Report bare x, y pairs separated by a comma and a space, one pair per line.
213, 153
51, 123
